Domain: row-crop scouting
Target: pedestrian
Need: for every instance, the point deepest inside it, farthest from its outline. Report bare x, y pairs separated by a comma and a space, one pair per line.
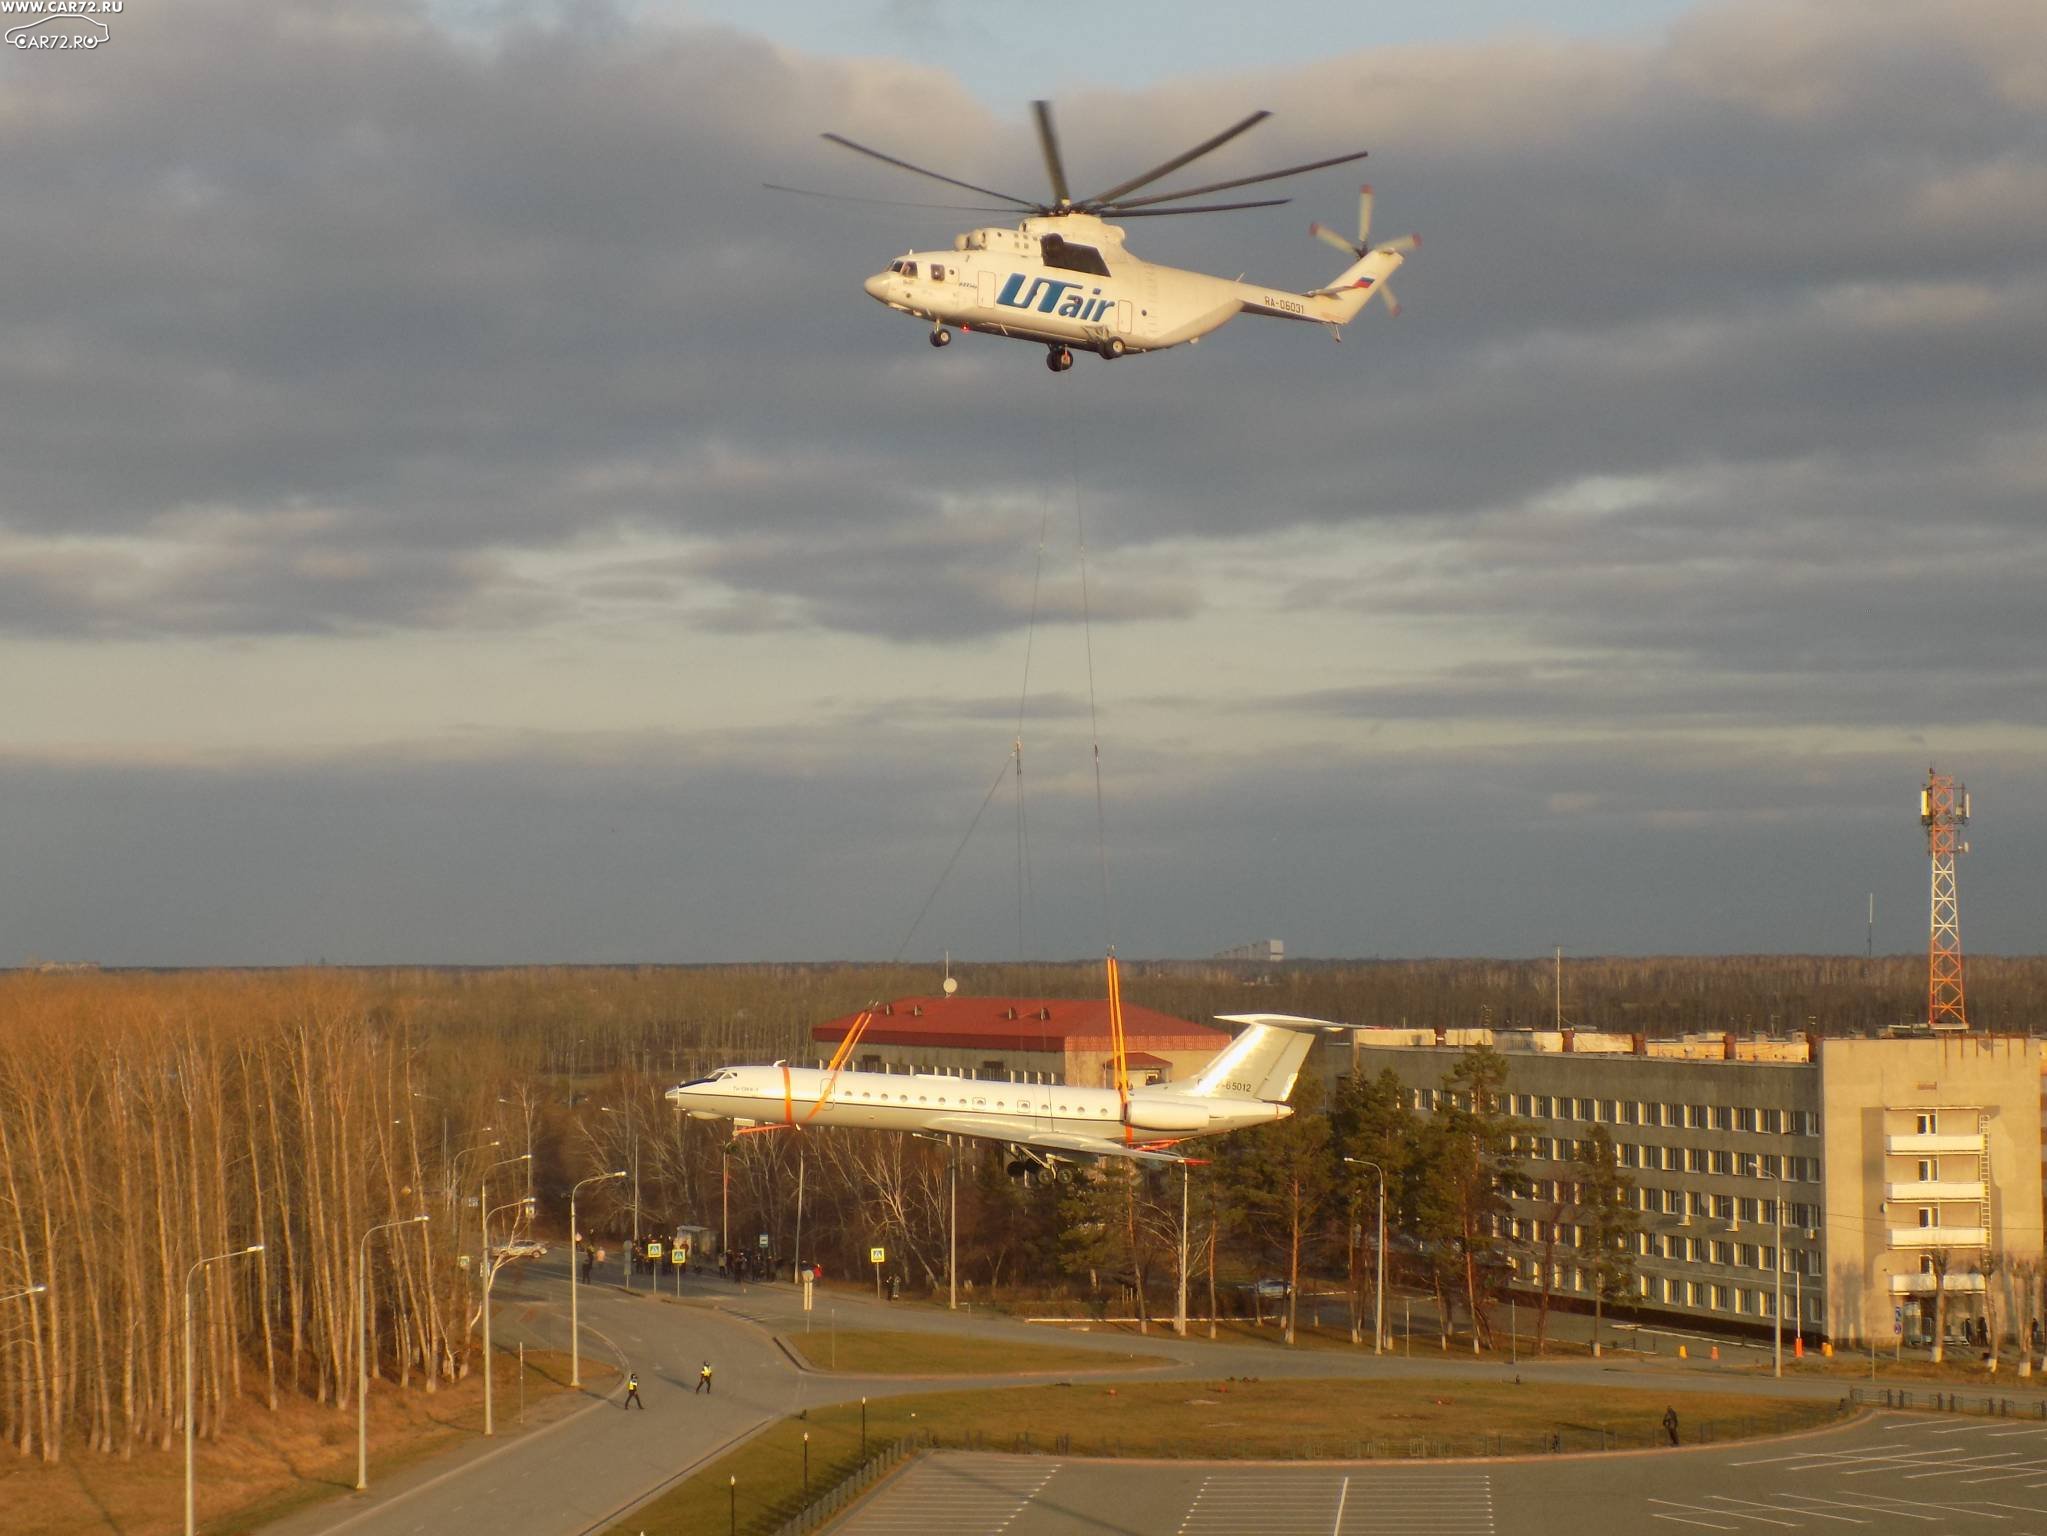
1670, 1423
589, 1263
632, 1391
703, 1378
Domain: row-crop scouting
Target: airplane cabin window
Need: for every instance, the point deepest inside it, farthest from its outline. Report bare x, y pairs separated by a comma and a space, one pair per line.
937, 273
909, 269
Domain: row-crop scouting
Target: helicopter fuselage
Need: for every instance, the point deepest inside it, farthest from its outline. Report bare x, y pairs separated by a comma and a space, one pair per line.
1067, 281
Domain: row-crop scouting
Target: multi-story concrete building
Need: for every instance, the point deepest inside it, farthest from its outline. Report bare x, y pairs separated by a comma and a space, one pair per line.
1867, 1171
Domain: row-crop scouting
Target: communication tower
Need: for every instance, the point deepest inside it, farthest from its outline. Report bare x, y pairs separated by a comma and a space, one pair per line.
1943, 811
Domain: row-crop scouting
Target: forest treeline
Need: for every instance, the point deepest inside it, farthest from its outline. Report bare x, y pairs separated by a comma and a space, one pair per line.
152, 1121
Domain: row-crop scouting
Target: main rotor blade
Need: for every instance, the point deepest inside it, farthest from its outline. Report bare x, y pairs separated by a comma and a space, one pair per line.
952, 181
1167, 213
1177, 161
1243, 181
1401, 244
885, 202
1048, 142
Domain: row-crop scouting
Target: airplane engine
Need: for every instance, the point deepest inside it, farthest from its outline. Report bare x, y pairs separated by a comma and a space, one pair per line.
1168, 1113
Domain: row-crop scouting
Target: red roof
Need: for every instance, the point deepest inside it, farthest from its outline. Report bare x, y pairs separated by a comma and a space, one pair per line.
1018, 1024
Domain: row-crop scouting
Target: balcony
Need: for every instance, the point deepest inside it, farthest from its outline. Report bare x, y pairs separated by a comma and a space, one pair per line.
1939, 1237
1935, 1144
1922, 1285
1931, 1190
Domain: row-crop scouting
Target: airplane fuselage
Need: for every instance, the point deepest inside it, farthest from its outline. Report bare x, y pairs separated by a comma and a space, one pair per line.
999, 1111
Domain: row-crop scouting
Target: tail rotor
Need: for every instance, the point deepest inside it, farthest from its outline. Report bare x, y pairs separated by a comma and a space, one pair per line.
1362, 247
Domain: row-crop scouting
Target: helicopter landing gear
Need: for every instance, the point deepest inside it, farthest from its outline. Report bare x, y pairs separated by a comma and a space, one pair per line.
1058, 359
1113, 348
941, 337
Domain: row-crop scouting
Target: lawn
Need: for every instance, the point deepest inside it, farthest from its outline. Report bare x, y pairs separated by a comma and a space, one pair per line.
1244, 1418
265, 1465
877, 1353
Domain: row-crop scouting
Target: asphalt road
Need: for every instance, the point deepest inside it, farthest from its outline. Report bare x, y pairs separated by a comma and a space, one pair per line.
595, 1460
1886, 1474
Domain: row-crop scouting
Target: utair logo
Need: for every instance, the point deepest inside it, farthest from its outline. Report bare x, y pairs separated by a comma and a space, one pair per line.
1049, 296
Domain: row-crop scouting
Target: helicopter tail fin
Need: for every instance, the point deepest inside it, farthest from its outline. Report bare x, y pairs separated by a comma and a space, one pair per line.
1356, 286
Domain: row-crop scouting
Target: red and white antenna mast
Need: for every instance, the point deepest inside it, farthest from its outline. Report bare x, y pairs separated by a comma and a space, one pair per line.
1943, 811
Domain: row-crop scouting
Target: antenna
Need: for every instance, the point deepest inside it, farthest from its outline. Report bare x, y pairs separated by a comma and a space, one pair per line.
1869, 934
1943, 809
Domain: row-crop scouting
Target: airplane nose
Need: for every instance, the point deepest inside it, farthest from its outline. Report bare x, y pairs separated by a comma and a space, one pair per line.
876, 285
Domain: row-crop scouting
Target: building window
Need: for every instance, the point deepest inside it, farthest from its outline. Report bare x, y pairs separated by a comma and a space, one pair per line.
1929, 1216
1631, 1112
1744, 1118
1698, 1203
1743, 1303
1696, 1117
1721, 1160
1723, 1207
1695, 1159
1723, 1117
1652, 1114
1770, 1121
1672, 1291
1674, 1202
1766, 1304
1928, 1124
1722, 1253
1929, 1170
1747, 1256
1720, 1298
1766, 1257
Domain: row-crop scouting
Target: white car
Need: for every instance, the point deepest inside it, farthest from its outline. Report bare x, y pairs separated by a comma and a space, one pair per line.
520, 1248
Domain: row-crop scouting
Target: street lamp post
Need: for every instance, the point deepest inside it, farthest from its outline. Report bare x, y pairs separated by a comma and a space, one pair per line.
1777, 1302
191, 1524
1180, 1300
952, 1225
1379, 1286
362, 1348
575, 1323
484, 1211
632, 1133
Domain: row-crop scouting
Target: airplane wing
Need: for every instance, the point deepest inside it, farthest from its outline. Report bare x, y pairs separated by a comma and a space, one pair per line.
1049, 1141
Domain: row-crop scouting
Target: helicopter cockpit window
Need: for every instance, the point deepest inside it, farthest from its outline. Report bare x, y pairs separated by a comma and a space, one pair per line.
937, 273
1067, 257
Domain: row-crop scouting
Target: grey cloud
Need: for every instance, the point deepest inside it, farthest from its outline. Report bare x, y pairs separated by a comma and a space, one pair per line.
783, 846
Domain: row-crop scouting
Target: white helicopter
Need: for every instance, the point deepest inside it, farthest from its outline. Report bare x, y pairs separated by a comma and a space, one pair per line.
1064, 278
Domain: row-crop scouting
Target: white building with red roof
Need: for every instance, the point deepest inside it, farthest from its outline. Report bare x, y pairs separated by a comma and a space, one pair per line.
1030, 1039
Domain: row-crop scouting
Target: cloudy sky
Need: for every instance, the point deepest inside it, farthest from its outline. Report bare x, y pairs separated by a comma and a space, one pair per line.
448, 511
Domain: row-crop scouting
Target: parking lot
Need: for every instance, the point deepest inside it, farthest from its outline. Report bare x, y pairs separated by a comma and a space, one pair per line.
1886, 1473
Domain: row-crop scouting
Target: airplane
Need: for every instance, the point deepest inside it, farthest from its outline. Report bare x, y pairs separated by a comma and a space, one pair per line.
1064, 278
1045, 1124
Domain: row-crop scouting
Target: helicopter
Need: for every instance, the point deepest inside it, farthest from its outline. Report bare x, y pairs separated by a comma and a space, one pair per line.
1064, 278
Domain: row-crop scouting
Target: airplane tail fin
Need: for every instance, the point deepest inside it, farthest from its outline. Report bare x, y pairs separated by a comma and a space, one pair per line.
1262, 1062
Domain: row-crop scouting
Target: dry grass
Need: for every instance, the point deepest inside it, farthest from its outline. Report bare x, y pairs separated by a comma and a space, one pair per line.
1243, 1418
268, 1464
877, 1353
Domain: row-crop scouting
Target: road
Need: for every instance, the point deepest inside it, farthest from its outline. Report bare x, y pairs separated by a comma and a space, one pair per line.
579, 1472
1885, 1474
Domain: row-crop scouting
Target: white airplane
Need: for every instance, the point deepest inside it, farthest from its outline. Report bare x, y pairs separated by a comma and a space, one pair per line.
1065, 279
1245, 1083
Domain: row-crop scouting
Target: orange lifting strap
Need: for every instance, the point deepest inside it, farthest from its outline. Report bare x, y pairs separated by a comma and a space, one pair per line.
1119, 1052
837, 1065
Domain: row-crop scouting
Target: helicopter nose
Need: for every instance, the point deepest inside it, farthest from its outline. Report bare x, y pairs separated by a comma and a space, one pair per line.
877, 286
